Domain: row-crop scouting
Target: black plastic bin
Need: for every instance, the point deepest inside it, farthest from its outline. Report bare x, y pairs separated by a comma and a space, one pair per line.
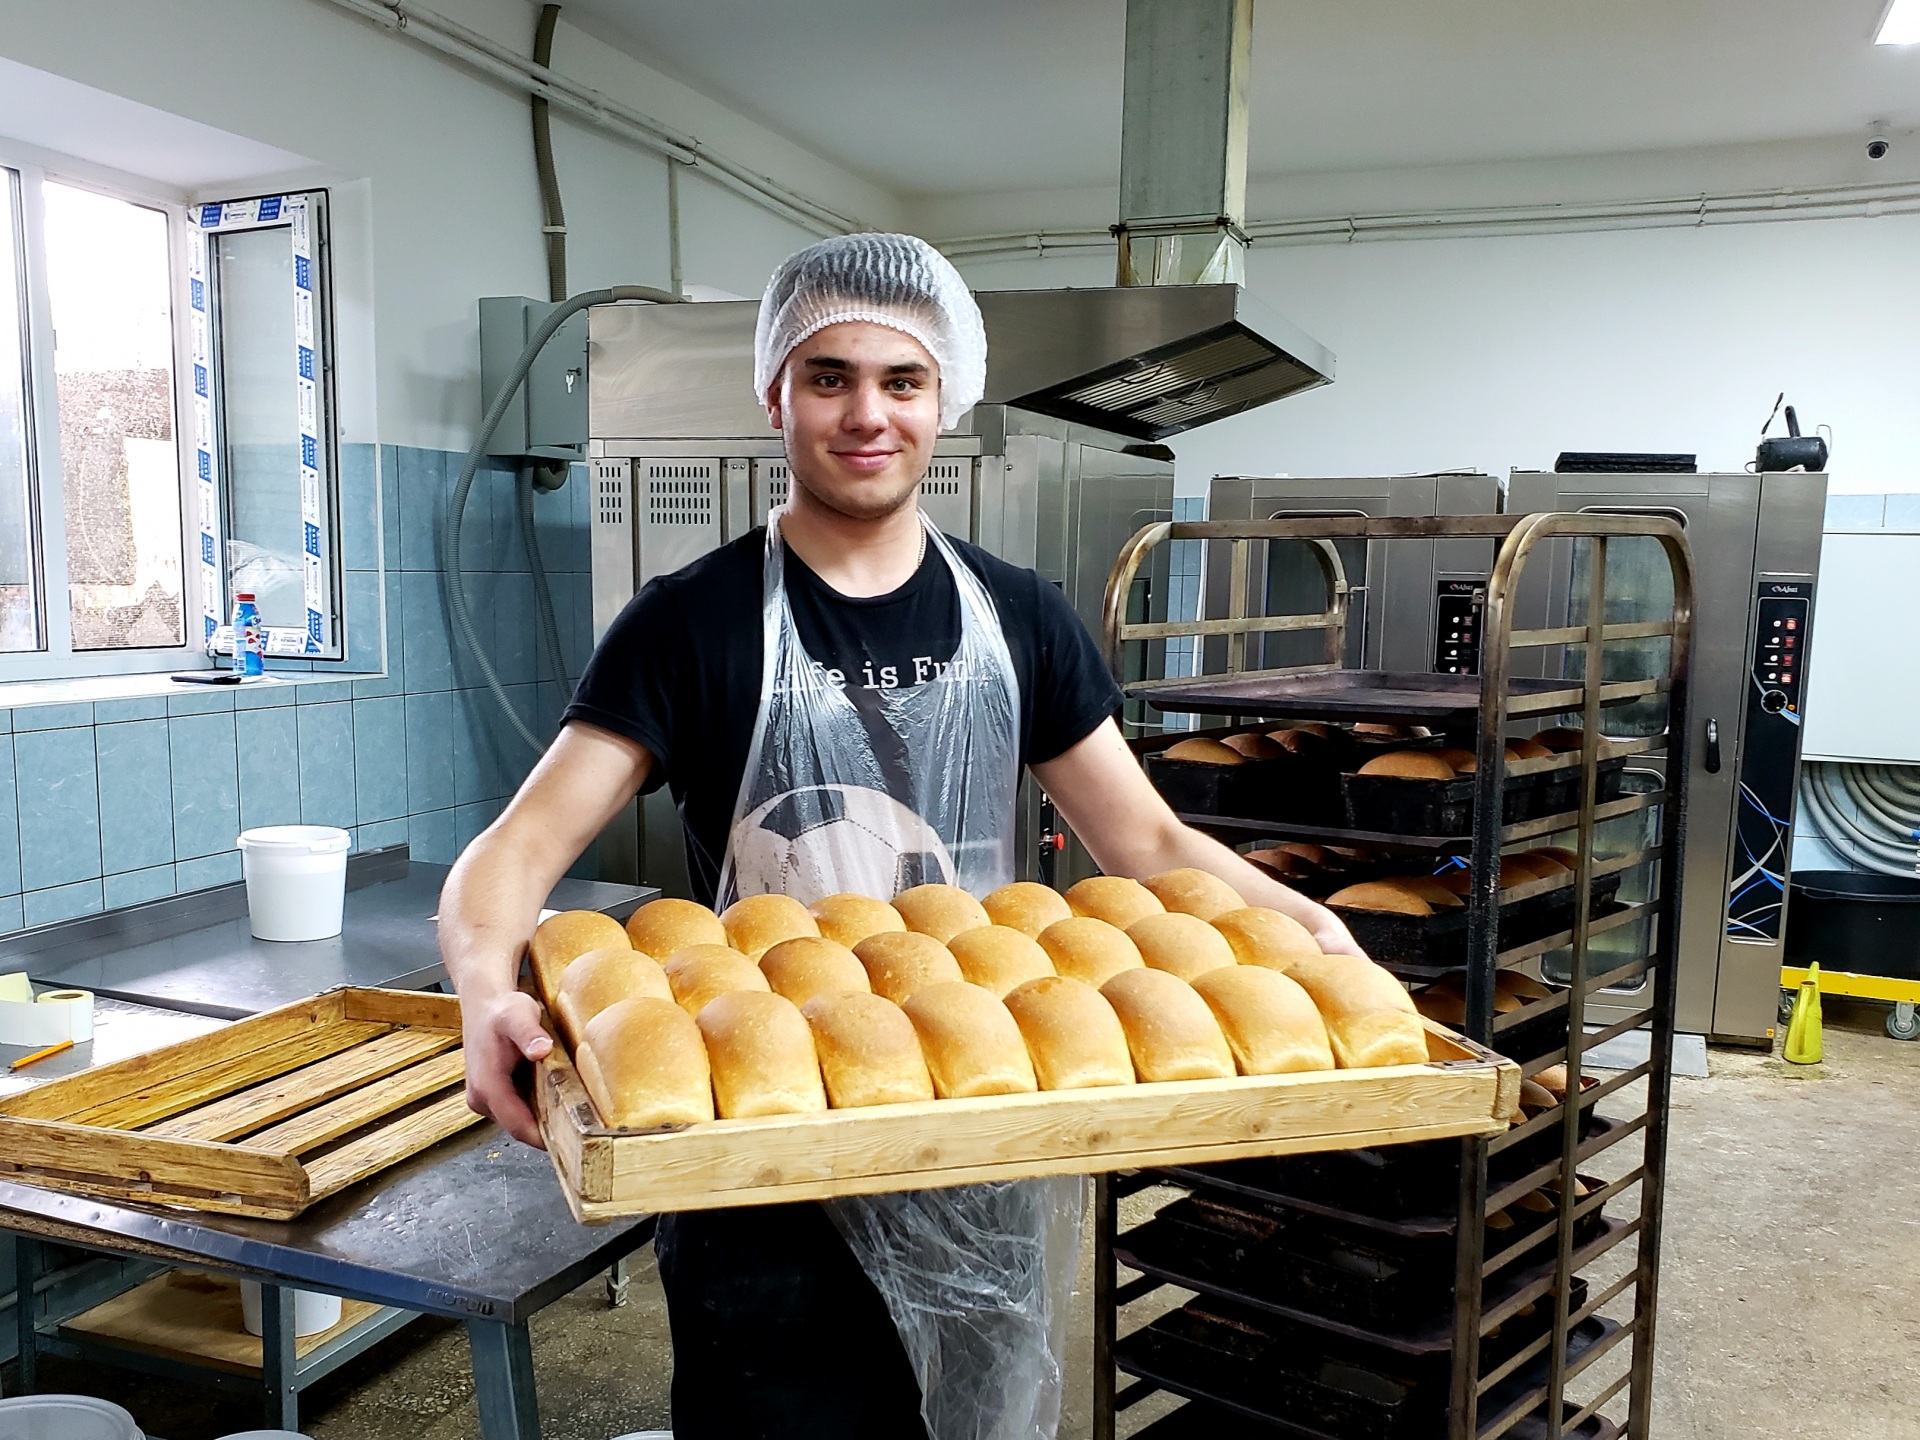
1855, 924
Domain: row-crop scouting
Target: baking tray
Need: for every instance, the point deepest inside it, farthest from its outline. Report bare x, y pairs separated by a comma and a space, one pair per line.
1463, 1089
1406, 697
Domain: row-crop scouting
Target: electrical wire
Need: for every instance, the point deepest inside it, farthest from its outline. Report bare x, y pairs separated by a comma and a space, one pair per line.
453, 578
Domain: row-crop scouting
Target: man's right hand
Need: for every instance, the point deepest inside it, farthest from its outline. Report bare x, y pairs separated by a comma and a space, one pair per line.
500, 1035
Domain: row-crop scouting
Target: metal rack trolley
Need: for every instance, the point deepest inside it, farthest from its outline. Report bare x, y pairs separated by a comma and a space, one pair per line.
1483, 704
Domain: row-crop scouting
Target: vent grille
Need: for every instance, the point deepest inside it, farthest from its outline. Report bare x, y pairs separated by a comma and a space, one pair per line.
610, 499
945, 477
1202, 401
680, 492
1155, 380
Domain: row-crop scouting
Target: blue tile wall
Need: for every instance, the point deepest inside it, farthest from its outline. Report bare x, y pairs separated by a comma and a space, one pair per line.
124, 801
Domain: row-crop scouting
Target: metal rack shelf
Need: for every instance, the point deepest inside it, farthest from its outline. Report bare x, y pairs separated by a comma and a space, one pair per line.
1494, 1281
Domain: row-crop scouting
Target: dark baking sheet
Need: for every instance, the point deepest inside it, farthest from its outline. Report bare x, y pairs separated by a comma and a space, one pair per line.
1398, 696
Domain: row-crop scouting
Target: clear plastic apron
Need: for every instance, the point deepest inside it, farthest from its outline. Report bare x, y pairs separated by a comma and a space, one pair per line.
853, 784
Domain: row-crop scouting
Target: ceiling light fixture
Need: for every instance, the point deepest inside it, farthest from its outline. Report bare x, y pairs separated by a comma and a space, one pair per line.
1901, 24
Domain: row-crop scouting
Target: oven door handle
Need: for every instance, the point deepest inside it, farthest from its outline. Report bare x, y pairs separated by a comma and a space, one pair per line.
1713, 747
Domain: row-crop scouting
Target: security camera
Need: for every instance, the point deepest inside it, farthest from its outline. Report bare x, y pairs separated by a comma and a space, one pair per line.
1877, 147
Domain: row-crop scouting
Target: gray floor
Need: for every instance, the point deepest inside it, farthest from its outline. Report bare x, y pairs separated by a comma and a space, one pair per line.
1788, 1289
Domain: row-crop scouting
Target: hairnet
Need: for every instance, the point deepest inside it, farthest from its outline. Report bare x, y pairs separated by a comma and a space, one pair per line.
894, 280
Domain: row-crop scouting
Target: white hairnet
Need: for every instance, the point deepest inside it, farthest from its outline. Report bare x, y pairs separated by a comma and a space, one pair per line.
895, 280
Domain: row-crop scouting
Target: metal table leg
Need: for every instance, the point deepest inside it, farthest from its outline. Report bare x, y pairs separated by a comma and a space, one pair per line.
277, 1357
503, 1380
617, 1278
26, 1313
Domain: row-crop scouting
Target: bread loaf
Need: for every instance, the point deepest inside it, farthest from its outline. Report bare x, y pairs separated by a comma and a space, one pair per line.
1271, 1024
1558, 852
759, 922
1114, 899
1183, 945
1560, 738
1026, 907
1370, 1018
899, 962
1089, 949
1254, 747
1073, 1037
1259, 936
1528, 750
849, 919
1544, 863
1193, 892
1204, 752
942, 911
998, 958
560, 939
971, 1042
1456, 882
811, 965
644, 1064
1278, 864
1462, 762
869, 1051
1379, 896
666, 927
700, 972
1428, 888
1379, 730
1171, 1034
1409, 765
601, 978
762, 1054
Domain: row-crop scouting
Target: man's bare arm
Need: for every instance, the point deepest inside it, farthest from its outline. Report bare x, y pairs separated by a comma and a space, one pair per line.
493, 897
1101, 791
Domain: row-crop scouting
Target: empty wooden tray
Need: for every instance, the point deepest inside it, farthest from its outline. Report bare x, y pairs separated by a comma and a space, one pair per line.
261, 1118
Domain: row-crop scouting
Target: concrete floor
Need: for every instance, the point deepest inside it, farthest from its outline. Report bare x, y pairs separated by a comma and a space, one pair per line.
1788, 1302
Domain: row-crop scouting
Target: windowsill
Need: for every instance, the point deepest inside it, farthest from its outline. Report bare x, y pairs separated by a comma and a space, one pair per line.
22, 693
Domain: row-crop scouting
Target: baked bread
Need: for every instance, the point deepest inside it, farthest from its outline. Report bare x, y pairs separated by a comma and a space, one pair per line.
1254, 747
701, 972
971, 1042
644, 1064
1528, 750
1259, 936
1271, 1024
1409, 765
1026, 907
1298, 741
1456, 881
1380, 896
998, 958
1546, 863
1371, 1020
666, 927
1073, 1037
1203, 751
560, 939
1183, 945
869, 1052
1171, 1034
1379, 730
1462, 762
1193, 892
942, 911
1428, 888
1560, 738
759, 922
1089, 949
762, 1054
601, 978
811, 965
1527, 866
1318, 856
849, 919
1114, 899
1561, 853
899, 962
1278, 864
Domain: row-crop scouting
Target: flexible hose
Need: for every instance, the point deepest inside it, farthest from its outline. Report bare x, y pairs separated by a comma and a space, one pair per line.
553, 216
452, 577
1868, 814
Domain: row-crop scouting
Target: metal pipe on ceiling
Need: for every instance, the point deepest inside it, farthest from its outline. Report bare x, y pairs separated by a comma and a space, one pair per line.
449, 37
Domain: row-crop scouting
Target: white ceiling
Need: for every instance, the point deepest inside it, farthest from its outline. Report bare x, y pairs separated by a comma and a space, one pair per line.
938, 97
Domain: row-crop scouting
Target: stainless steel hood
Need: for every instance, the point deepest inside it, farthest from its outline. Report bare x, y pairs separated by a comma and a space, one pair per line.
1144, 362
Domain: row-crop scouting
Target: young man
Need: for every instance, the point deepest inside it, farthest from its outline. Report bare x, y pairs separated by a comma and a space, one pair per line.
853, 665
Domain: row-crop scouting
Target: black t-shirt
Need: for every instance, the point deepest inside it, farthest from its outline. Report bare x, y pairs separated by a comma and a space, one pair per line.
679, 670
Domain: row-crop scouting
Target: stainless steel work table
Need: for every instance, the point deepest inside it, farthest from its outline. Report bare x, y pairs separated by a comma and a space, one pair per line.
475, 1229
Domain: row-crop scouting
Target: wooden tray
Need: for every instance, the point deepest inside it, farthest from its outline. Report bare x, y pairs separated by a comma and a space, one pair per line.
1462, 1090
262, 1118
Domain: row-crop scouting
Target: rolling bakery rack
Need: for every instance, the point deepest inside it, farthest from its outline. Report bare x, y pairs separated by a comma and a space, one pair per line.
1462, 1289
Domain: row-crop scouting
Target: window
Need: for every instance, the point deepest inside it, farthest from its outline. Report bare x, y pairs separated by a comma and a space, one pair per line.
166, 434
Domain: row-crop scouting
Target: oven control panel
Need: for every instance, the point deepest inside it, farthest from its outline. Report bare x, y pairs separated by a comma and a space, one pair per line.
1769, 761
1459, 607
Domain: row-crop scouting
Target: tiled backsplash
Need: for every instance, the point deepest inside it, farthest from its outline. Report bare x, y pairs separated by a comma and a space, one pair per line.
114, 802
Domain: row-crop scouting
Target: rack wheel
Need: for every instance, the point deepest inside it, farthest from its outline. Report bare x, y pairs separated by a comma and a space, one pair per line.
1902, 1021
1786, 1006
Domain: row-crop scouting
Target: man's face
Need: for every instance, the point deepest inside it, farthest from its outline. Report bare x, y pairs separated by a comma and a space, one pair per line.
859, 405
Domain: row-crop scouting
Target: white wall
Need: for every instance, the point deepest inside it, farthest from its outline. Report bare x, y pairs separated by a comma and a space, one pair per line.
446, 161
1497, 353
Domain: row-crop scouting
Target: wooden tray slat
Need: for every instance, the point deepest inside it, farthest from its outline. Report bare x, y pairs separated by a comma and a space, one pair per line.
134, 1166
171, 1097
316, 1127
299, 1090
422, 1009
388, 1145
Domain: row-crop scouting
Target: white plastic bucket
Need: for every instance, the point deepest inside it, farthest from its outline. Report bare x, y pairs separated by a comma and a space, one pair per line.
296, 880
64, 1417
312, 1311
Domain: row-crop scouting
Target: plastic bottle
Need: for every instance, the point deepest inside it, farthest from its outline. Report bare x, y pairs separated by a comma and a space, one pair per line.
249, 644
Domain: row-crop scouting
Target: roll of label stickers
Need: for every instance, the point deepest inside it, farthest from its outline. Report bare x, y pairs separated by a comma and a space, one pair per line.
45, 1019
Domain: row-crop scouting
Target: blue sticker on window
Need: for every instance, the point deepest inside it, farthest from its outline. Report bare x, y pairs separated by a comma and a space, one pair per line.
206, 547
207, 629
313, 538
270, 208
306, 362
199, 379
206, 466
309, 452
313, 629
209, 215
302, 272
197, 290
